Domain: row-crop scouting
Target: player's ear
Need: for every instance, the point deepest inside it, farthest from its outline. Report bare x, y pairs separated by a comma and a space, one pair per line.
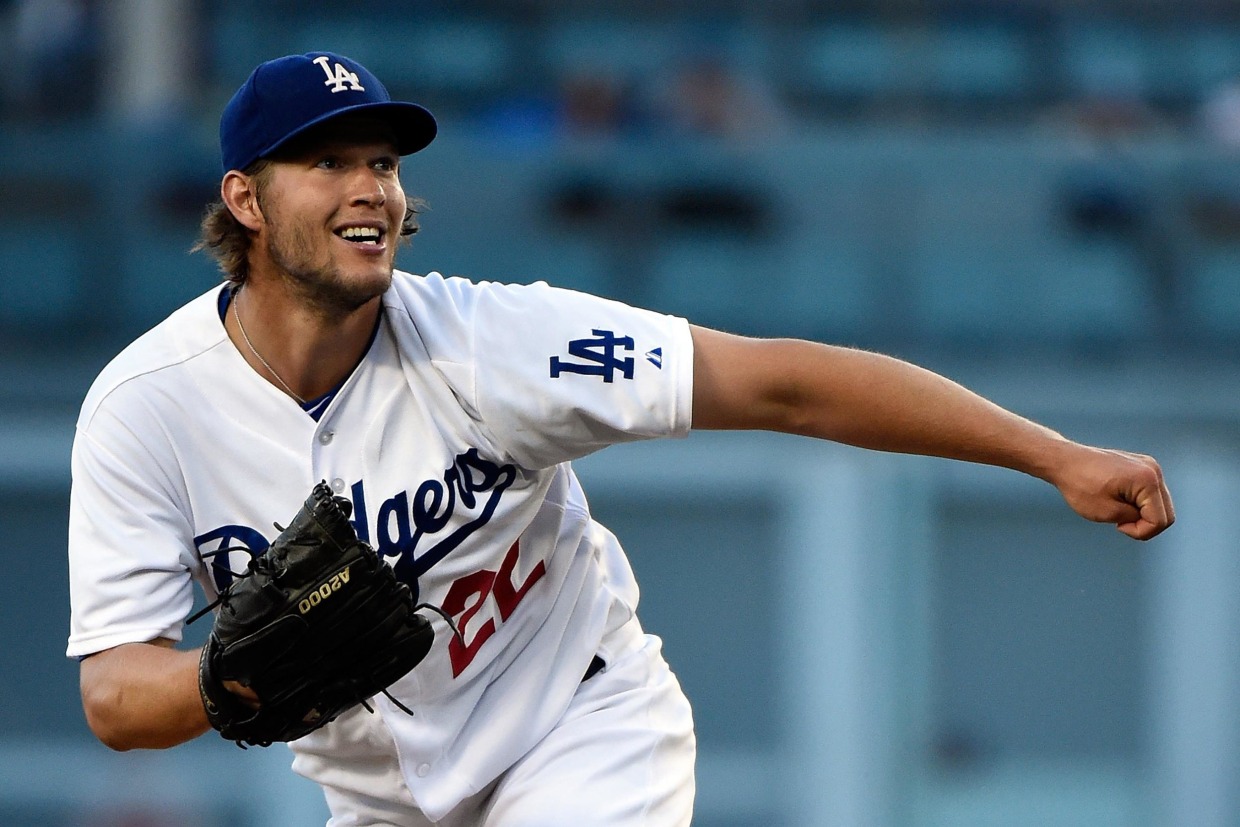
239, 193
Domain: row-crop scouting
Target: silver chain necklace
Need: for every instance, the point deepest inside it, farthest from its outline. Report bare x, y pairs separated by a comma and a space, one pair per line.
237, 315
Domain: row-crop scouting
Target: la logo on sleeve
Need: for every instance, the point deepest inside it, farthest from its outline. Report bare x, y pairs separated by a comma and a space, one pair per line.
597, 357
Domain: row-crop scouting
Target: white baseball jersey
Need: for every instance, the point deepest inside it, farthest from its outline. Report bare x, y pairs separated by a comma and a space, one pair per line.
453, 438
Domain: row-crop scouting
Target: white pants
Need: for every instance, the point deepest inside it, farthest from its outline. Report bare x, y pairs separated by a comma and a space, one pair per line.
622, 756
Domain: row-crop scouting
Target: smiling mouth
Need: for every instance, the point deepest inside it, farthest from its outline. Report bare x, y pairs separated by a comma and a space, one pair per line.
372, 236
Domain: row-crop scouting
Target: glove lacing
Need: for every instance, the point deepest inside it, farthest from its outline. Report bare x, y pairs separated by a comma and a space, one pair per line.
222, 599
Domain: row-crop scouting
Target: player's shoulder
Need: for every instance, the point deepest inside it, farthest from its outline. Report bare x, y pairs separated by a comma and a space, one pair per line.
446, 319
409, 290
459, 295
436, 287
188, 332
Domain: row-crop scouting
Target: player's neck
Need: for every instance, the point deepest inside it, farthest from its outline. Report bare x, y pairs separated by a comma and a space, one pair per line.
297, 348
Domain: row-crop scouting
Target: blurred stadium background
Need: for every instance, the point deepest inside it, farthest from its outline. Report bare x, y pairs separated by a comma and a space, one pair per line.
1040, 198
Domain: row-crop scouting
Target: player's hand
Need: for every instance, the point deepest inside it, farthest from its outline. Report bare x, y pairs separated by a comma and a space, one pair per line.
245, 693
1109, 486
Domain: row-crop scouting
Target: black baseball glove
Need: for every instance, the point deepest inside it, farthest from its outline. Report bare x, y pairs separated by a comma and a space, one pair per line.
316, 625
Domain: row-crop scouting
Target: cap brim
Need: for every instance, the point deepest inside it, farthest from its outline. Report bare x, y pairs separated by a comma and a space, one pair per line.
413, 126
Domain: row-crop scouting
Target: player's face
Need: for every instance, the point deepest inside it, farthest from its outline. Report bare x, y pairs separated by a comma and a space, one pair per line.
332, 209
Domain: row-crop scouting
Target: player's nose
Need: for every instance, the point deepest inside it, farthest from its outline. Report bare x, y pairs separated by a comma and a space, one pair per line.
368, 189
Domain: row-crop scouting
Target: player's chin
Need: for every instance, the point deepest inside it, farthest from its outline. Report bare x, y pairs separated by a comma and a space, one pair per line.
349, 289
362, 290
367, 274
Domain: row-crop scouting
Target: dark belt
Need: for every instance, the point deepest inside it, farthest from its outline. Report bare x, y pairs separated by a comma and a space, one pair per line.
595, 667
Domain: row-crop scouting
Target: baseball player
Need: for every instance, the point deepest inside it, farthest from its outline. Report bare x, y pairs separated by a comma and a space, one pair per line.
448, 413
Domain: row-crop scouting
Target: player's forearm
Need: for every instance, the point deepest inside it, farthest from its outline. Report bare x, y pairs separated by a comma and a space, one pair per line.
863, 399
874, 401
143, 696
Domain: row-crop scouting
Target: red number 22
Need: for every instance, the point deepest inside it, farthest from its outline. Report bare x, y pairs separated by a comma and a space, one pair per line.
481, 585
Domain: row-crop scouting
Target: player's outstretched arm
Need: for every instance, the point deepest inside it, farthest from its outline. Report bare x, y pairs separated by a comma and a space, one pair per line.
143, 696
874, 401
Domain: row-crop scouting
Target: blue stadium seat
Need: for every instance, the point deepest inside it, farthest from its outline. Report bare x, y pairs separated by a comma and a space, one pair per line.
980, 61
621, 48
853, 59
1105, 57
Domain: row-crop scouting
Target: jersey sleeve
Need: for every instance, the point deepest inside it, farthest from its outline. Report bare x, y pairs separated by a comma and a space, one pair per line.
130, 556
555, 374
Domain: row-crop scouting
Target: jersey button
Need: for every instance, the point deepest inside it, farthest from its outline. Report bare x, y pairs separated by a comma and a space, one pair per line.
338, 485
326, 437
423, 770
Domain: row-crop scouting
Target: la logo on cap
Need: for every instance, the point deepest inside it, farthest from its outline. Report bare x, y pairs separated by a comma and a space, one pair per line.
338, 78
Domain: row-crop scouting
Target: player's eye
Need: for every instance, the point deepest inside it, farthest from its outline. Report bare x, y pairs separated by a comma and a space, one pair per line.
386, 164
329, 162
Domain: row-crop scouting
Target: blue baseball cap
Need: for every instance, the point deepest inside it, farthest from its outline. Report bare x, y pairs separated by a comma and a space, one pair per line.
284, 97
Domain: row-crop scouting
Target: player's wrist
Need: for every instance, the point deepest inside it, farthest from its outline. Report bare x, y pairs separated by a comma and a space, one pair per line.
1060, 461
1045, 455
224, 707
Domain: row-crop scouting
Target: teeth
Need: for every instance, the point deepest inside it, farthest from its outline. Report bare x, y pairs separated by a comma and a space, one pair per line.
369, 235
